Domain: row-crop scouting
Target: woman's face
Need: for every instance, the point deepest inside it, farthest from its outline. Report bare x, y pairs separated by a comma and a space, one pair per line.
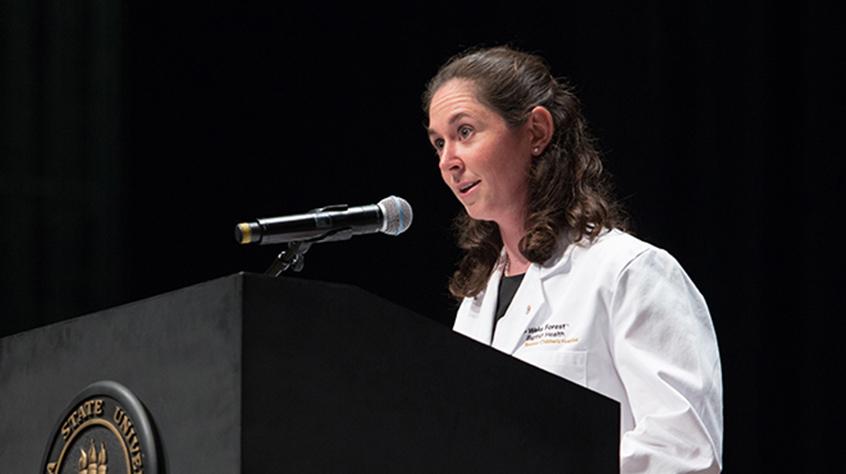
483, 161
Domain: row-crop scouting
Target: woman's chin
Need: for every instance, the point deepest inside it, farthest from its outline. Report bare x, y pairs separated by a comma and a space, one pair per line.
474, 214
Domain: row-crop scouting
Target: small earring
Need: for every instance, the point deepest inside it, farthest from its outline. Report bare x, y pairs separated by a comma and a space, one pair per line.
535, 150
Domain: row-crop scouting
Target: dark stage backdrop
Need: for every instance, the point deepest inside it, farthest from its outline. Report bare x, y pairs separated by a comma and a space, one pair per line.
135, 136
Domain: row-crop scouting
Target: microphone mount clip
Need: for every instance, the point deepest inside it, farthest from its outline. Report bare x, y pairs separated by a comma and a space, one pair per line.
294, 256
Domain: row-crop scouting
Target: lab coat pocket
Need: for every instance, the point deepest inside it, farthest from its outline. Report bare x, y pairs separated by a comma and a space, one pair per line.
572, 365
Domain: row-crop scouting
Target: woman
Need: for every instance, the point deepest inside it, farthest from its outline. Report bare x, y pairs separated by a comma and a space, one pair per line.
550, 276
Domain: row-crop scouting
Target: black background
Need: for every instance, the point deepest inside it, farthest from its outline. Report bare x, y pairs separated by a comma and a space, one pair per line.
134, 137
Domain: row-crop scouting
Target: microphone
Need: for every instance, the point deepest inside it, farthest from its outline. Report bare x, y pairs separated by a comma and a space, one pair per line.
391, 216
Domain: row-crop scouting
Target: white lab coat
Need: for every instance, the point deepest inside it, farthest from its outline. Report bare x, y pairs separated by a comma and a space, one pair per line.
622, 318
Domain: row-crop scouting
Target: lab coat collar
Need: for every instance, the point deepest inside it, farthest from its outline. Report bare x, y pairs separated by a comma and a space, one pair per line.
560, 261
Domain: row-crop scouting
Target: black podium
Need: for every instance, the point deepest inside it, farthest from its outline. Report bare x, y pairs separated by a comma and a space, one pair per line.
251, 374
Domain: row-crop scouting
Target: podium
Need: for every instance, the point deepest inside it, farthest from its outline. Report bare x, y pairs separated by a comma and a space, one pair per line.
252, 374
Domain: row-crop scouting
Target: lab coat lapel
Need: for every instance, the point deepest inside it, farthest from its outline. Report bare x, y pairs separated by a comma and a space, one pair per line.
479, 319
528, 302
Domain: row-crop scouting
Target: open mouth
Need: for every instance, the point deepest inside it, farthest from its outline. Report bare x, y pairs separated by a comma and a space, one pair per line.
467, 187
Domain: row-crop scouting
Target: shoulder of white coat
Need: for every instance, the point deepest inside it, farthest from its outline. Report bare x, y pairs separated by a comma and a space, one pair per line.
653, 265
469, 308
462, 314
612, 250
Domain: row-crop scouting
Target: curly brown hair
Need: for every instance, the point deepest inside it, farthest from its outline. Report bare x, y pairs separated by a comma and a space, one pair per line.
568, 190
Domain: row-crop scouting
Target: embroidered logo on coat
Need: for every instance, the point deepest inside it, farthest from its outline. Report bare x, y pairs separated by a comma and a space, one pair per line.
547, 334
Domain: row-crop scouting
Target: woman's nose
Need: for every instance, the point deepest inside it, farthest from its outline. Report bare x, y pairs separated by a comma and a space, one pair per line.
449, 159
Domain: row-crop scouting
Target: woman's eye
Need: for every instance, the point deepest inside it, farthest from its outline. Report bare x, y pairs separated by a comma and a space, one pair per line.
438, 143
464, 131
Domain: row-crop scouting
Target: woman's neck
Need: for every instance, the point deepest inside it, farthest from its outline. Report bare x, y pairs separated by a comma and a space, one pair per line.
511, 236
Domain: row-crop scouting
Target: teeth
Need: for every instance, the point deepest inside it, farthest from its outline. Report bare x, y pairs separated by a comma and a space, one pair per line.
465, 188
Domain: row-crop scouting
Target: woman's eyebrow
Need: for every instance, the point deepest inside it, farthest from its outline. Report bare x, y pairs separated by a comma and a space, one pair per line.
452, 120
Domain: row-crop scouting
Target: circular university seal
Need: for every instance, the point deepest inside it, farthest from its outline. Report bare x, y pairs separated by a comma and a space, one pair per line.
104, 430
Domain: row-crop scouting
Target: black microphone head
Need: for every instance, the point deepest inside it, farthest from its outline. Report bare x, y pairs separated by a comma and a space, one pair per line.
396, 214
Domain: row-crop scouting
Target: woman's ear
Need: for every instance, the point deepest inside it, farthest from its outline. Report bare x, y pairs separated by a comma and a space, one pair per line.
540, 129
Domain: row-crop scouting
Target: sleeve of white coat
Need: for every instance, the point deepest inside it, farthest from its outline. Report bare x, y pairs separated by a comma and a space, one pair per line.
666, 354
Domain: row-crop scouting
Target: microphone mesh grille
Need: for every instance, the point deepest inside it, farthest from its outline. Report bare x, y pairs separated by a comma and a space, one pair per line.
397, 215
